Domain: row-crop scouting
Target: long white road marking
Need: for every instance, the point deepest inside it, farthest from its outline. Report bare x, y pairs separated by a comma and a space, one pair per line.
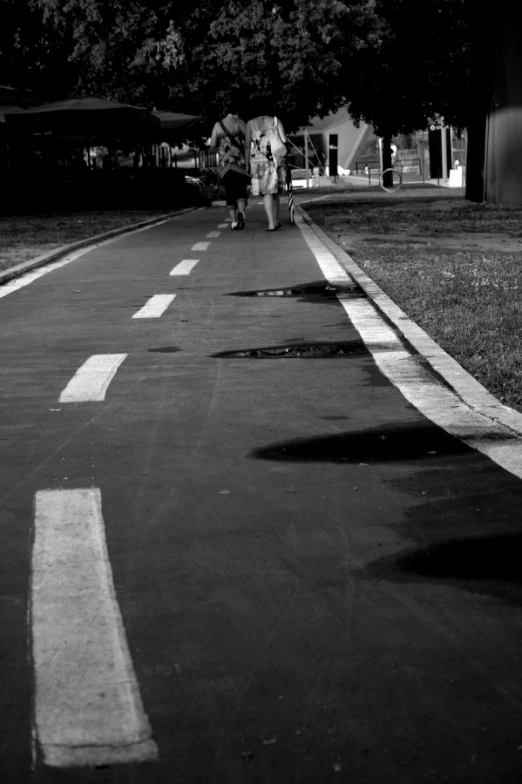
155, 306
25, 280
213, 234
419, 386
29, 277
185, 267
87, 705
91, 380
200, 246
222, 225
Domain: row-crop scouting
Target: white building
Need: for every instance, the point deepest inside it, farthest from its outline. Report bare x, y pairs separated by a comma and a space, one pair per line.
322, 136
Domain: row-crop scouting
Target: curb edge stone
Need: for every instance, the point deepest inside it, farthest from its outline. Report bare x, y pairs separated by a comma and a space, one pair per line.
463, 384
53, 255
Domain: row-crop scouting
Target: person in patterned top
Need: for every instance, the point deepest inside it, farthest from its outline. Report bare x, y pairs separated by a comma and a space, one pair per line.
228, 137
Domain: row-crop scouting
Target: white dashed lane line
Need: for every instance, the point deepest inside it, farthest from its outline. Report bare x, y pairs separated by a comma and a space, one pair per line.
222, 225
155, 306
87, 705
91, 380
213, 234
200, 246
185, 267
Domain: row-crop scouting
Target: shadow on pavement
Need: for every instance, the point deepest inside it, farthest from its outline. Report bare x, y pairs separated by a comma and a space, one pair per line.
485, 564
405, 442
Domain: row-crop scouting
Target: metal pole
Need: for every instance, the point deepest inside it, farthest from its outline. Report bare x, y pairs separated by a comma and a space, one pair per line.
316, 155
306, 157
444, 150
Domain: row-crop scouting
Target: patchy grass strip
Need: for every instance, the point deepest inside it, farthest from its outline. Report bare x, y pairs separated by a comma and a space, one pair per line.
468, 301
23, 237
430, 217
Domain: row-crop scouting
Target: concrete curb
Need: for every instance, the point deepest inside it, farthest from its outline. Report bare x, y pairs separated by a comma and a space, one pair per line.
467, 388
53, 255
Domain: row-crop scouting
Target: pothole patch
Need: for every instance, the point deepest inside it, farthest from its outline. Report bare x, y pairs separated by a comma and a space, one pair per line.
313, 290
299, 351
165, 350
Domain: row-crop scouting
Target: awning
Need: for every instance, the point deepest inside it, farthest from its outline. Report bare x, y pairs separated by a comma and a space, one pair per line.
173, 121
9, 109
14, 96
85, 117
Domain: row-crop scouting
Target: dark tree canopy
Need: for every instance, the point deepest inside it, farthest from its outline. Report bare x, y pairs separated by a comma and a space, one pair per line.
395, 63
289, 55
419, 70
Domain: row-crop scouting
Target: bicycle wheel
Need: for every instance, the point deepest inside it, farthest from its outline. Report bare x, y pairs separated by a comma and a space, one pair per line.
396, 178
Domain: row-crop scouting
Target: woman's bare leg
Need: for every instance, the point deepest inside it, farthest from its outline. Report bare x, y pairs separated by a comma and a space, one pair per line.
268, 201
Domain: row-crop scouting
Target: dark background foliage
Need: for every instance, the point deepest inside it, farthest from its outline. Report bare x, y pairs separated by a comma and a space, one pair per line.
395, 63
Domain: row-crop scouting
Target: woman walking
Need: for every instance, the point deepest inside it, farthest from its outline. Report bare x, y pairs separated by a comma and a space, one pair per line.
265, 153
228, 136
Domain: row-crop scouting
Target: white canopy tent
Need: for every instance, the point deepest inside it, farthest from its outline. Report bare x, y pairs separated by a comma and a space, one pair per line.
318, 135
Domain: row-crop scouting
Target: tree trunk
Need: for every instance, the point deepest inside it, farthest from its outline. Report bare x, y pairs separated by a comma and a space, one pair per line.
494, 170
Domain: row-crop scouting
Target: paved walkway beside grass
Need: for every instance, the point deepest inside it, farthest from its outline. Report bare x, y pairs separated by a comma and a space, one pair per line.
232, 549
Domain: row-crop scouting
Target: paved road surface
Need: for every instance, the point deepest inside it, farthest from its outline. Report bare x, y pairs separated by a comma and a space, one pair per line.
240, 568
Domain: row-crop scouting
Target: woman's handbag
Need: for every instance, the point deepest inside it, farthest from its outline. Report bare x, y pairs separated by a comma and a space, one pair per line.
277, 145
233, 166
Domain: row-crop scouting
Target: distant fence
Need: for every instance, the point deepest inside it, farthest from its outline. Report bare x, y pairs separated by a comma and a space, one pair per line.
302, 174
405, 161
364, 166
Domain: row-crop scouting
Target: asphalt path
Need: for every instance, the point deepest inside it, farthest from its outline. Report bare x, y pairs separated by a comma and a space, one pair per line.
295, 576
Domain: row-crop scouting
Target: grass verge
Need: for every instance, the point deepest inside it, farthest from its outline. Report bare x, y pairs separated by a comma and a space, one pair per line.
23, 237
454, 267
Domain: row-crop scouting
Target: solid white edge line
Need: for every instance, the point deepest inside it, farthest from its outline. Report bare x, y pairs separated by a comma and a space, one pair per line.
472, 392
418, 385
155, 306
91, 380
28, 277
87, 704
